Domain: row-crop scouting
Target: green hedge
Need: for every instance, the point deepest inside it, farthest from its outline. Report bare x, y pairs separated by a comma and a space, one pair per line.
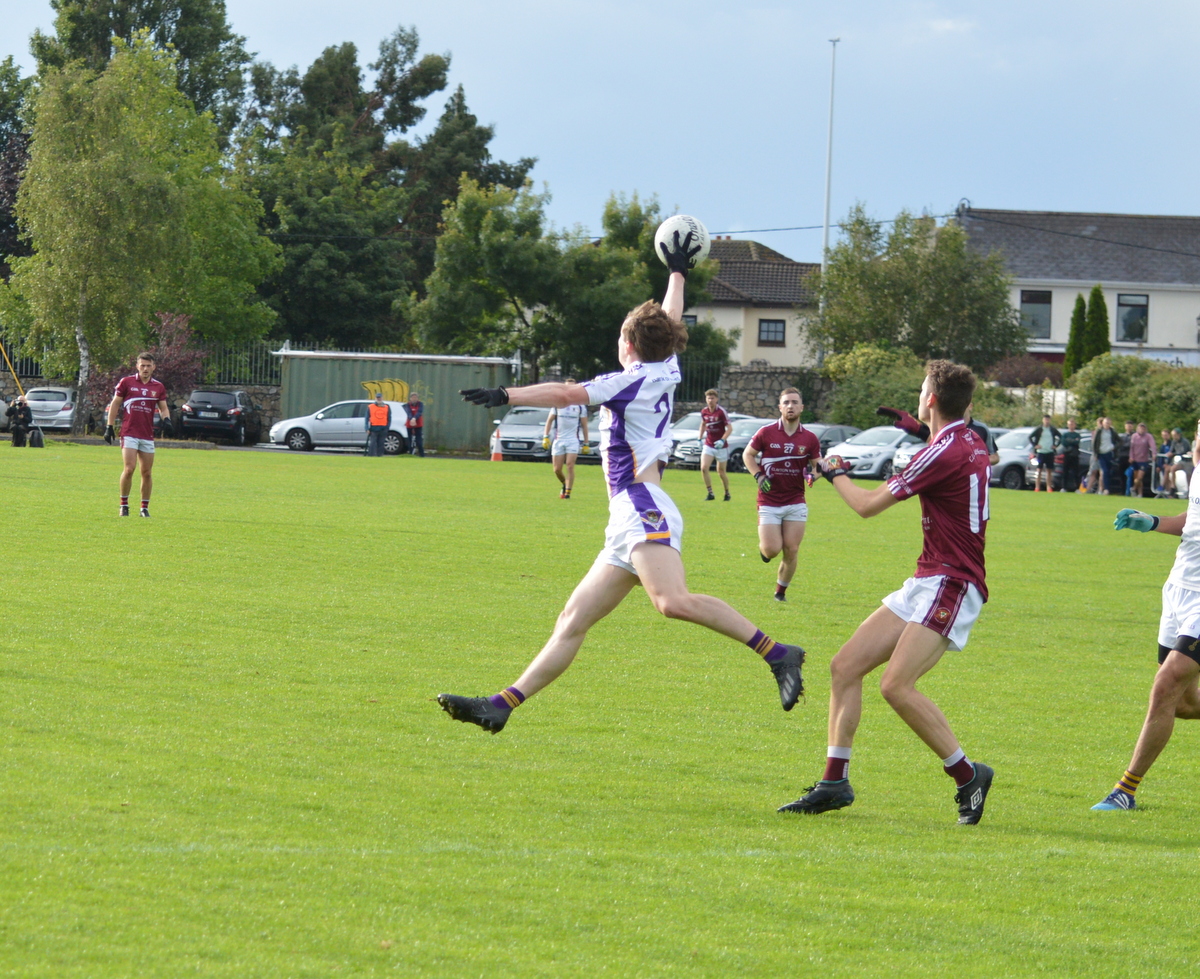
1137, 390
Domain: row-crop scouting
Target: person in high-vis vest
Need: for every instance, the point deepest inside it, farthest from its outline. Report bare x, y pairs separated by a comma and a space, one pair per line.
379, 420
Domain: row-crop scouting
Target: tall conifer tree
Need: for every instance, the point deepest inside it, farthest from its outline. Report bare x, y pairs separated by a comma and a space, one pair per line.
1072, 358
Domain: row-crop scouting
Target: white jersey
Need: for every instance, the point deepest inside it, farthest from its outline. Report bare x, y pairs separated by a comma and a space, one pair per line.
566, 422
635, 420
1186, 572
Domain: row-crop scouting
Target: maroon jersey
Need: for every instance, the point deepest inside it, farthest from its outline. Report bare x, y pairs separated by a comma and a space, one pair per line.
714, 424
140, 402
784, 457
951, 476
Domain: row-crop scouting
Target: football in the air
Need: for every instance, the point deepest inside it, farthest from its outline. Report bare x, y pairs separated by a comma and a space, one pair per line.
683, 223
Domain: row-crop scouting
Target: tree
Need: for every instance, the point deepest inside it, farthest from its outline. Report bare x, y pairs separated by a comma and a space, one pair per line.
130, 212
14, 155
211, 59
1073, 358
867, 377
1096, 334
920, 287
178, 360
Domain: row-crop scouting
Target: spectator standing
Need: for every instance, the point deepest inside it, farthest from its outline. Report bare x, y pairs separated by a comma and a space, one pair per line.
1104, 446
1162, 460
378, 420
1045, 439
1124, 471
1070, 449
1141, 456
1181, 453
416, 425
22, 420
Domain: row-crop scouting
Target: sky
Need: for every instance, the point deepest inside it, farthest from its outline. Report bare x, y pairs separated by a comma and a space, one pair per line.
721, 109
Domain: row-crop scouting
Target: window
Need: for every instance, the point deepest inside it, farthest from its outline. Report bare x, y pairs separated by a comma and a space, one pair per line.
1132, 316
689, 321
1035, 313
343, 410
770, 333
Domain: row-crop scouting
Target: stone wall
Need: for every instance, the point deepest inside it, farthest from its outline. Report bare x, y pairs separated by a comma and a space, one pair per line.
754, 389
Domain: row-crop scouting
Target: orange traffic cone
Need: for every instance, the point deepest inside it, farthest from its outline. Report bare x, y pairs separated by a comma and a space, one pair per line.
497, 455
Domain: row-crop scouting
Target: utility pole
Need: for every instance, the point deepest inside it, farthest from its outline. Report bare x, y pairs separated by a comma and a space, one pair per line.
829, 157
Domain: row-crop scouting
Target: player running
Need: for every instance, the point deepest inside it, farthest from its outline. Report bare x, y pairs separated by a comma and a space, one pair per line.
139, 395
644, 533
1175, 693
568, 422
714, 442
787, 451
933, 611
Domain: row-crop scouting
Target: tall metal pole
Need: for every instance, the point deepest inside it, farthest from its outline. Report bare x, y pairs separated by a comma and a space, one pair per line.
828, 159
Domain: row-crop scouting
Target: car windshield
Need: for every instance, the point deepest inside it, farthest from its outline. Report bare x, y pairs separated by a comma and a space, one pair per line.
218, 399
748, 426
527, 416
689, 422
45, 395
1018, 438
882, 435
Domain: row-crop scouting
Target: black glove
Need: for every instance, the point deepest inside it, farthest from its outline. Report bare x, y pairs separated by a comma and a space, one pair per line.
168, 426
109, 435
764, 484
486, 397
904, 421
680, 260
833, 466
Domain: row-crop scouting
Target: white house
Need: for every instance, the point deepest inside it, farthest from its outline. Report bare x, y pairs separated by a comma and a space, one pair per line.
758, 292
1147, 265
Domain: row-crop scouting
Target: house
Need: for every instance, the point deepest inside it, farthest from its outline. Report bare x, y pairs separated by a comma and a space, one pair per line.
759, 293
1147, 265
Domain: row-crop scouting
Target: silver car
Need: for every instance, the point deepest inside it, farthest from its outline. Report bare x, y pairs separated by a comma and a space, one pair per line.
687, 453
904, 454
343, 423
52, 407
871, 452
1014, 450
522, 430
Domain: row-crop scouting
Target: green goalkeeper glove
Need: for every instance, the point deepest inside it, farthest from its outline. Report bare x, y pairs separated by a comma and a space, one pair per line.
1128, 519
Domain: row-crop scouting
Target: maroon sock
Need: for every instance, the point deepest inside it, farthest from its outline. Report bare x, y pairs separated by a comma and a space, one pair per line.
766, 647
836, 769
508, 698
124, 501
780, 589
962, 771
145, 504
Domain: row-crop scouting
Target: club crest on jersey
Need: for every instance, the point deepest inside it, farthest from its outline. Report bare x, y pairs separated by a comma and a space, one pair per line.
941, 615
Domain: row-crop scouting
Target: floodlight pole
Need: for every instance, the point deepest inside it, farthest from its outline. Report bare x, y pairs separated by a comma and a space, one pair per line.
828, 161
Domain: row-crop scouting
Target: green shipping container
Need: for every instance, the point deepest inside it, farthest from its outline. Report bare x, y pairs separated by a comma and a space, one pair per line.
312, 379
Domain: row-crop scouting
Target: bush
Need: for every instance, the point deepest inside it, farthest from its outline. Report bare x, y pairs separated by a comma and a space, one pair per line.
1022, 371
867, 377
1138, 390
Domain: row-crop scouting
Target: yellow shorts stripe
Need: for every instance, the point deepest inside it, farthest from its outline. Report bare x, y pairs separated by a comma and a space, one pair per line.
659, 535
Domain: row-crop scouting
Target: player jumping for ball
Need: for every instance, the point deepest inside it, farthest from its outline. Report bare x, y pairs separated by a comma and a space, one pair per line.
1175, 693
933, 611
644, 533
714, 442
568, 422
140, 395
779, 458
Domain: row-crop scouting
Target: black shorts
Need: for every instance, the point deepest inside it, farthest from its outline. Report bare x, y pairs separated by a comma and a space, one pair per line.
1045, 460
1140, 467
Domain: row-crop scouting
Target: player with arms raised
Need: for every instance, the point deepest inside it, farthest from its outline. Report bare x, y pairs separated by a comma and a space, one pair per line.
568, 422
779, 458
933, 611
644, 533
1176, 691
714, 442
140, 395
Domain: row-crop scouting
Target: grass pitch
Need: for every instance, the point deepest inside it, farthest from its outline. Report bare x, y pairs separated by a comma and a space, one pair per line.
222, 755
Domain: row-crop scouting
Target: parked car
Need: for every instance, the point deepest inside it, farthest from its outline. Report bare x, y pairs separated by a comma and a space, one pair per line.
688, 427
687, 452
872, 451
341, 424
226, 414
904, 454
521, 434
1014, 450
829, 435
52, 407
1085, 460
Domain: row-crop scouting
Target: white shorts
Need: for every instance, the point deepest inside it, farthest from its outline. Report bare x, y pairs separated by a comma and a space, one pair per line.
721, 455
639, 514
565, 447
793, 512
1180, 614
948, 606
142, 445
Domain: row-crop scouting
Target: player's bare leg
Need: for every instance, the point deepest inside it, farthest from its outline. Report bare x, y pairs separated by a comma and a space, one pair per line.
705, 462
129, 457
569, 468
724, 477
146, 462
917, 652
559, 462
869, 648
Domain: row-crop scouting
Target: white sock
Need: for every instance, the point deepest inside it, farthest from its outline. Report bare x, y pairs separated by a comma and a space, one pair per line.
954, 759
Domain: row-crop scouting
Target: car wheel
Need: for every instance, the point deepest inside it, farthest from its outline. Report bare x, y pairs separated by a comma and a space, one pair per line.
886, 470
298, 441
239, 435
1013, 478
392, 444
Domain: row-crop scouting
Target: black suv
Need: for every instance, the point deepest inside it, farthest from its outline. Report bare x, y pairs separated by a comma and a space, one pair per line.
227, 414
